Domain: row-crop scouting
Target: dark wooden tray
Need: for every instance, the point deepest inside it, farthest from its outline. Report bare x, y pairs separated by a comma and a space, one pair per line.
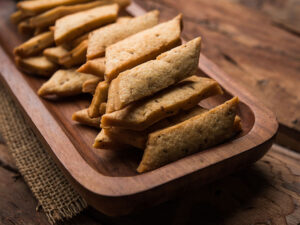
108, 179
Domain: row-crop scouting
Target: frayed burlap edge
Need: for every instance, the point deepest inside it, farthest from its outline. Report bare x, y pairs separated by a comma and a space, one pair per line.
56, 196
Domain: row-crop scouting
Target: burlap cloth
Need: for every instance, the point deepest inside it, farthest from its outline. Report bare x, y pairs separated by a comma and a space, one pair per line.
56, 196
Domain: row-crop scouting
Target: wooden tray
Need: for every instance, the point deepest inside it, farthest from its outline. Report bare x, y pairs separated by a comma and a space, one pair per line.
107, 179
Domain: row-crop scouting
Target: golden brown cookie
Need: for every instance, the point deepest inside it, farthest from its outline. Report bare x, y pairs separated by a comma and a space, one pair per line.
110, 98
152, 76
72, 26
64, 83
138, 139
141, 47
35, 7
99, 97
101, 38
25, 28
75, 57
18, 16
49, 17
102, 108
82, 117
37, 65
195, 134
40, 30
94, 66
90, 85
103, 141
55, 53
35, 45
184, 95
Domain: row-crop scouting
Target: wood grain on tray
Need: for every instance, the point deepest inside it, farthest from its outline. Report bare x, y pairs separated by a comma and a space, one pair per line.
107, 179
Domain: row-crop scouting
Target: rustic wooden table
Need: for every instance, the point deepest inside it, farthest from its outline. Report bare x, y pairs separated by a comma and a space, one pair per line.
257, 42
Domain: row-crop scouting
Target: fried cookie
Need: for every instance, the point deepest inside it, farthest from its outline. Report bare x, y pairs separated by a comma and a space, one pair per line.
82, 117
99, 97
152, 76
94, 66
55, 53
101, 38
90, 85
37, 65
188, 137
64, 83
184, 95
141, 47
35, 45
72, 26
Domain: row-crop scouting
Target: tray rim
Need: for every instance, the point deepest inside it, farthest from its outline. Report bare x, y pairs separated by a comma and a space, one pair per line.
45, 125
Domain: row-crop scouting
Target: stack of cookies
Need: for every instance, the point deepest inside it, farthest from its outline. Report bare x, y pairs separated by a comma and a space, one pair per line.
145, 89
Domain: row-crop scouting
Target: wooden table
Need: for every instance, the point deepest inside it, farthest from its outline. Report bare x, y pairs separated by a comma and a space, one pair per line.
257, 42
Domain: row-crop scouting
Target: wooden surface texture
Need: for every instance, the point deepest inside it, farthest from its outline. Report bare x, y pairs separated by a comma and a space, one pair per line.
266, 193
